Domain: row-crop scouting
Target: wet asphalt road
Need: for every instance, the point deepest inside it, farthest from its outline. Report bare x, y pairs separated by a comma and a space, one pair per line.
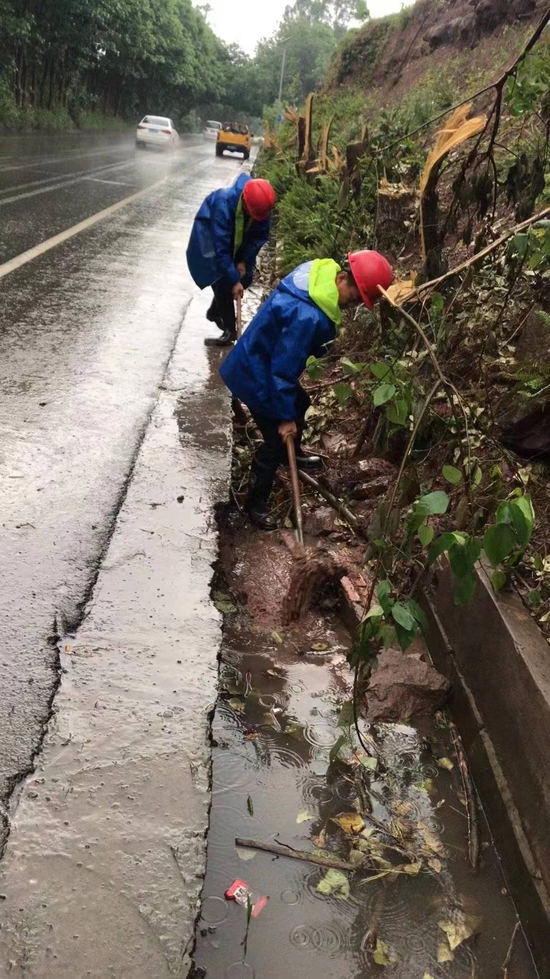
86, 332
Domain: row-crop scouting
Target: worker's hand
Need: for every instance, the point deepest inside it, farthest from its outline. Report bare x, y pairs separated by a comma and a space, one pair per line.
241, 269
238, 291
286, 429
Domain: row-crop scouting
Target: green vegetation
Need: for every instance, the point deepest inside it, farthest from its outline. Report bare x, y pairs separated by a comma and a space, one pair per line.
434, 385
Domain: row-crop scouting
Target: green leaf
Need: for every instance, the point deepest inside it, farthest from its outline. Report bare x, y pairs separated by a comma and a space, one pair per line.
350, 368
382, 954
498, 579
314, 368
503, 514
523, 518
452, 475
382, 371
443, 544
375, 612
432, 503
404, 636
383, 595
383, 393
425, 535
498, 543
398, 412
342, 391
346, 714
403, 617
466, 589
335, 750
534, 597
334, 882
463, 556
418, 614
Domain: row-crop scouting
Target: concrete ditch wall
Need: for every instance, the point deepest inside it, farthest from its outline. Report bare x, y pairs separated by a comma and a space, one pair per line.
499, 665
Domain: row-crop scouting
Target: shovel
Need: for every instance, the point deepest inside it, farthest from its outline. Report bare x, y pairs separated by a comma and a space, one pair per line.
291, 450
239, 317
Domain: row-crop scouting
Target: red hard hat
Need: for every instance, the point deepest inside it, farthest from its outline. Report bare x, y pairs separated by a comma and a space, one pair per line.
370, 270
259, 199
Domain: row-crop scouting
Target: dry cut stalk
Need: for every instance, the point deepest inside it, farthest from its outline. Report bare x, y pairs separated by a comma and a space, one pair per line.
469, 795
508, 958
283, 851
341, 508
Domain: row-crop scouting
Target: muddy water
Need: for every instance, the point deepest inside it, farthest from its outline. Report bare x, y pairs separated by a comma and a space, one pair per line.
273, 781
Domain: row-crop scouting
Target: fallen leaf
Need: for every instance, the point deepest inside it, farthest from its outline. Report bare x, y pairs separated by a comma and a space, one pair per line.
368, 762
445, 763
350, 822
250, 805
235, 704
430, 839
382, 954
336, 883
304, 817
435, 864
425, 786
413, 868
224, 603
245, 854
278, 639
320, 841
461, 929
444, 953
427, 976
356, 858
320, 647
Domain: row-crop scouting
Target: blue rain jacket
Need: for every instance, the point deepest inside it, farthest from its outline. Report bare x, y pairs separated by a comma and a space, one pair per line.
211, 250
264, 367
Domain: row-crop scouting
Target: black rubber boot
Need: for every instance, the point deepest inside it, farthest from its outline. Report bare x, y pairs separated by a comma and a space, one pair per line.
257, 501
309, 462
227, 338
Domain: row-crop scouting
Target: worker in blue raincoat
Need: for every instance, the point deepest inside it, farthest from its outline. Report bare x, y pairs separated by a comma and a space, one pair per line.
229, 230
300, 319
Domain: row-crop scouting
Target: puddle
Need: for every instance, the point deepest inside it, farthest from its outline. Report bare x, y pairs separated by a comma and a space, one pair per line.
273, 781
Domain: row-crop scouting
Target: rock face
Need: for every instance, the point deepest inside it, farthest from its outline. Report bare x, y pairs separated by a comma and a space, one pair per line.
321, 522
534, 343
404, 686
466, 24
524, 419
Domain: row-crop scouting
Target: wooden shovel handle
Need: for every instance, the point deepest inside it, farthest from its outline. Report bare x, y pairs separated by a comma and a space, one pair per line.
239, 317
293, 466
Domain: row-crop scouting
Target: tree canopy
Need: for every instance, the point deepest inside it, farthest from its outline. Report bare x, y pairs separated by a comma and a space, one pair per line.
128, 57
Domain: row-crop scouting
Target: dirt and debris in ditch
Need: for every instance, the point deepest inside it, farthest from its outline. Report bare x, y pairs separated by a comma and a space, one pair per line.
412, 907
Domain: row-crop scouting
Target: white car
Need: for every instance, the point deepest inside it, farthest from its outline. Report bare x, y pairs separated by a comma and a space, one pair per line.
156, 131
211, 129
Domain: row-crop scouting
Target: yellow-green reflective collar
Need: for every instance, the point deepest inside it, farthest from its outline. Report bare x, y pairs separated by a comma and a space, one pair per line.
323, 289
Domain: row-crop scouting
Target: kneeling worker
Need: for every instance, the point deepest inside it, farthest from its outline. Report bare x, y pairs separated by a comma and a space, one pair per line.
300, 318
229, 230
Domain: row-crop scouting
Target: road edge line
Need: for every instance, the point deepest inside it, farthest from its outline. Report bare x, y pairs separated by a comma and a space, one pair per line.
49, 243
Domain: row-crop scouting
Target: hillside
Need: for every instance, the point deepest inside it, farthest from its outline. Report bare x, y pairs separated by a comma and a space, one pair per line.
464, 39
450, 381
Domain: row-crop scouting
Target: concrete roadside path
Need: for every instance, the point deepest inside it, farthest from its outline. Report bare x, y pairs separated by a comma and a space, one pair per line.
105, 858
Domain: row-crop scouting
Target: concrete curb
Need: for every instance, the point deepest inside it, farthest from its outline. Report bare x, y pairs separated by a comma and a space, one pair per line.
499, 665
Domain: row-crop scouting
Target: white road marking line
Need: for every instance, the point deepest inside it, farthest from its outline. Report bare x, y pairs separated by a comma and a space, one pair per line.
55, 180
46, 246
50, 161
115, 183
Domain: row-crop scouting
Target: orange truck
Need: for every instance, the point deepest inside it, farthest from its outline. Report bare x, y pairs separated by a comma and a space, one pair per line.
234, 137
